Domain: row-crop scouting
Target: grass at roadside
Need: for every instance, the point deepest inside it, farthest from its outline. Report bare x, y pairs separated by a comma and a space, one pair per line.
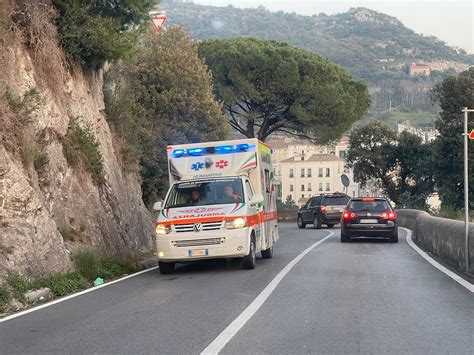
88, 265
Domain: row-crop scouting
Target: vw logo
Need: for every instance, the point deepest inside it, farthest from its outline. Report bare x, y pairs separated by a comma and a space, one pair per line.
368, 214
197, 227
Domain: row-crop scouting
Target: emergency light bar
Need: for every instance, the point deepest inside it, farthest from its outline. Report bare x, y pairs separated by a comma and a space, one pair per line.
223, 149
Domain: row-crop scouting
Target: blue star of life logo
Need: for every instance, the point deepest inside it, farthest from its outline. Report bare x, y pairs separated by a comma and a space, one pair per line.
197, 166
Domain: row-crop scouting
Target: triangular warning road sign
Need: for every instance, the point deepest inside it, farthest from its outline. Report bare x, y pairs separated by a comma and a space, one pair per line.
158, 22
471, 135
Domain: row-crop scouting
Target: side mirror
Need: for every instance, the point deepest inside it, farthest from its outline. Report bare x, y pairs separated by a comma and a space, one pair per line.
158, 206
257, 199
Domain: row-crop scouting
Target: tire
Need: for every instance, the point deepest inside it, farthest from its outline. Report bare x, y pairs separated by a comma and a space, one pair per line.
394, 237
344, 238
249, 261
268, 253
166, 268
330, 225
300, 222
317, 222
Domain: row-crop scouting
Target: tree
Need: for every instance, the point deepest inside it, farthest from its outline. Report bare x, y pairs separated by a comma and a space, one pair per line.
452, 95
268, 87
169, 95
93, 32
399, 163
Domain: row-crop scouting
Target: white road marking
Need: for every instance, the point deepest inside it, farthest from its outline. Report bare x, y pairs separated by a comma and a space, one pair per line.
22, 313
228, 333
437, 265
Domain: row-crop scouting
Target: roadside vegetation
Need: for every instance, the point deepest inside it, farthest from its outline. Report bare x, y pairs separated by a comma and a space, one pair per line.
88, 267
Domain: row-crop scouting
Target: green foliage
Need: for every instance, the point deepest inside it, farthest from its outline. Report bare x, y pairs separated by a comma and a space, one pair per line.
453, 94
89, 265
86, 263
23, 106
4, 297
68, 233
377, 50
399, 163
163, 99
272, 87
81, 144
93, 32
18, 285
289, 204
63, 283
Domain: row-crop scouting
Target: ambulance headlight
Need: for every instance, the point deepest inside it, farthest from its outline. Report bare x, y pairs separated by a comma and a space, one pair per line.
236, 223
162, 229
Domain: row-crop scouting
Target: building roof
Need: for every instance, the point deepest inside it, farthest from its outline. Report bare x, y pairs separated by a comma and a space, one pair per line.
314, 157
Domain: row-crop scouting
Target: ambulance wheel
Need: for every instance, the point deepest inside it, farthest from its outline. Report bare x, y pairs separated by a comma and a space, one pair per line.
249, 261
268, 253
166, 268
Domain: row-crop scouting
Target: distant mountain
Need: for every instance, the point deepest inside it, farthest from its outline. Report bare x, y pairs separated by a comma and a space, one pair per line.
369, 44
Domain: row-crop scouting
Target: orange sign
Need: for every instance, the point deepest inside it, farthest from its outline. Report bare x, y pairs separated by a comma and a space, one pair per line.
471, 135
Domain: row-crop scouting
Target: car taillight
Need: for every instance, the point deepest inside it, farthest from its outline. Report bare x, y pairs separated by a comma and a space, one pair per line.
348, 215
391, 216
323, 208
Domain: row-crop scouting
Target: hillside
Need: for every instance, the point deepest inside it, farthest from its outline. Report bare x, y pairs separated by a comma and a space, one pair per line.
370, 45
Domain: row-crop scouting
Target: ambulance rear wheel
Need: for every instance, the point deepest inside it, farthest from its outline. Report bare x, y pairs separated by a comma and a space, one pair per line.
268, 253
249, 261
166, 268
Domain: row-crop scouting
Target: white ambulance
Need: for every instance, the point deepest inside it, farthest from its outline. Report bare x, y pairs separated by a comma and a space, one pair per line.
221, 204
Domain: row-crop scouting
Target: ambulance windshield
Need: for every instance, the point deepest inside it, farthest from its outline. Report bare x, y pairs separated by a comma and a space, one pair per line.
205, 192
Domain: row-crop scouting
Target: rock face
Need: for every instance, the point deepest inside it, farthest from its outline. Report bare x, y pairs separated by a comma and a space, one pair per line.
35, 204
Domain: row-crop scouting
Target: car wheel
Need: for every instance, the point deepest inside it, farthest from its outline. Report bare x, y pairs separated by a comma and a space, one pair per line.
317, 222
330, 225
300, 222
268, 253
166, 268
344, 238
394, 237
249, 261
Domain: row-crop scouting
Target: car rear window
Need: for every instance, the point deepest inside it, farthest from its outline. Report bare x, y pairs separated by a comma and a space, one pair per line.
369, 206
335, 201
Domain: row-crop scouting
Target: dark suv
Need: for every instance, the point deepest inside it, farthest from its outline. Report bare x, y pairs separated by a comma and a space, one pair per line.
369, 217
322, 209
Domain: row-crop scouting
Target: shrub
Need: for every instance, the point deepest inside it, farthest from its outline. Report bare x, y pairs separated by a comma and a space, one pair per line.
23, 106
18, 284
67, 233
82, 145
63, 283
93, 32
4, 297
87, 264
110, 268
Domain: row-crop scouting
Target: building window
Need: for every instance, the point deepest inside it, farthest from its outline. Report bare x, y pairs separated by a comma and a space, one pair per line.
320, 172
302, 187
309, 187
328, 172
290, 196
291, 188
291, 173
302, 158
328, 187
320, 186
302, 195
302, 172
309, 173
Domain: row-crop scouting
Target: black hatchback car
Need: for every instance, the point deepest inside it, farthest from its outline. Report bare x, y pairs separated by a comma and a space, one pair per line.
369, 217
322, 209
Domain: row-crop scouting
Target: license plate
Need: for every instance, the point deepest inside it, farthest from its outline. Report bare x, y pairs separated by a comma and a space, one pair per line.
198, 252
369, 221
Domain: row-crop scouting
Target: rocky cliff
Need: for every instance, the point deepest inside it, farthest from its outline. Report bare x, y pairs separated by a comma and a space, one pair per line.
49, 209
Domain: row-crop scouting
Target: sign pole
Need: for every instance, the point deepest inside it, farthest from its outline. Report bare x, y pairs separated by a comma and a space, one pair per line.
466, 188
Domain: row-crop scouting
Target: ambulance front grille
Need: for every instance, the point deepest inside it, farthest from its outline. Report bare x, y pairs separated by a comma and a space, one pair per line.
208, 226
197, 242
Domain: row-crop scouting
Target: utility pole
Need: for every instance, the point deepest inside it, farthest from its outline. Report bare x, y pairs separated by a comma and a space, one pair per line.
466, 187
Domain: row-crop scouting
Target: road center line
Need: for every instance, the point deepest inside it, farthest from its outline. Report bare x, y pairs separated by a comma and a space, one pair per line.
437, 265
232, 329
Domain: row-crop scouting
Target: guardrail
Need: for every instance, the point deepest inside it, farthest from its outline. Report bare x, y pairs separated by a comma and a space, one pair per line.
287, 215
440, 236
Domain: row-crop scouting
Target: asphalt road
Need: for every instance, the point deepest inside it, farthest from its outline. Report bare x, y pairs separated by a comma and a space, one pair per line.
360, 297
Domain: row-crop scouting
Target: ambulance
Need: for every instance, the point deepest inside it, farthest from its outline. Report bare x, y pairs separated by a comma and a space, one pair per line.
221, 204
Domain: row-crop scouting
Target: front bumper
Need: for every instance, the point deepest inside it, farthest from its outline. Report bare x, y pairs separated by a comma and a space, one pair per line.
188, 246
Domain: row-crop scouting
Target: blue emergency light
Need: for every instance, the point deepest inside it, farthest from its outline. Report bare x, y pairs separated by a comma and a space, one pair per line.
224, 149
178, 153
196, 151
242, 147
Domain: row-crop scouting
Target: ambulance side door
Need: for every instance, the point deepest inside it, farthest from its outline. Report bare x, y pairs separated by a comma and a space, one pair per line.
253, 211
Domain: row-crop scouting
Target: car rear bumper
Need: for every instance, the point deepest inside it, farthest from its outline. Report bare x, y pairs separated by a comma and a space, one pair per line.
369, 230
331, 218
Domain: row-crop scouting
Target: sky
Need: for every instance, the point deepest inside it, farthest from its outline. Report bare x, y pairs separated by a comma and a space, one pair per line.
450, 21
